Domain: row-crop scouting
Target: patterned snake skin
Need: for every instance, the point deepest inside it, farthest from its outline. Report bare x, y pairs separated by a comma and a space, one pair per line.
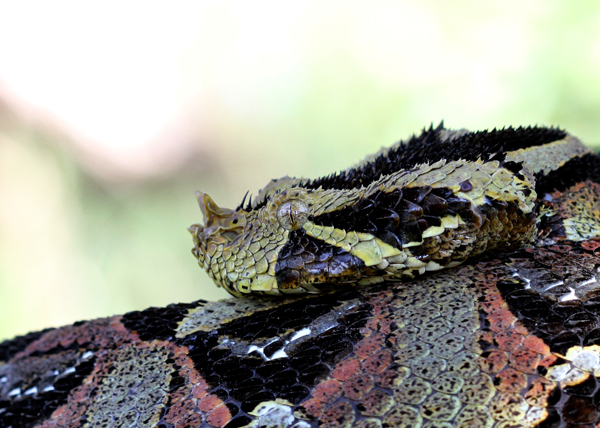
448, 281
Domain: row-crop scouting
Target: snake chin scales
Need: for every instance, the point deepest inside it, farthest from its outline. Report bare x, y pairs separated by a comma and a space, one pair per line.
425, 204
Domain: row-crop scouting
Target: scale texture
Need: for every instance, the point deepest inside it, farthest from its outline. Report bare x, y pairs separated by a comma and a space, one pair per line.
509, 338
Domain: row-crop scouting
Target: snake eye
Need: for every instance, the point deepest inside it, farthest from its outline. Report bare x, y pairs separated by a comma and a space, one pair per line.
292, 214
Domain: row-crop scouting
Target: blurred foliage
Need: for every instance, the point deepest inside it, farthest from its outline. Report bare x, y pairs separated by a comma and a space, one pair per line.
304, 92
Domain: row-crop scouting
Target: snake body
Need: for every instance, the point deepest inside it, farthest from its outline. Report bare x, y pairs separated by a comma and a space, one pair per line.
510, 338
423, 205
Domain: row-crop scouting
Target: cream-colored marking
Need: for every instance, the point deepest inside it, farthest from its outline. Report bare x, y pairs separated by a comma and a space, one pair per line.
548, 157
400, 258
343, 244
574, 377
433, 266
396, 267
581, 363
326, 232
581, 227
383, 265
412, 262
535, 416
338, 235
276, 413
506, 193
558, 373
450, 222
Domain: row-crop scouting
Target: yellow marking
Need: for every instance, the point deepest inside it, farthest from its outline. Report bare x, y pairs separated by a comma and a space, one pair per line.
368, 251
343, 244
480, 179
326, 232
364, 236
548, 157
581, 227
352, 238
338, 235
271, 256
502, 178
254, 247
262, 282
433, 231
386, 249
296, 290
310, 288
366, 247
505, 187
243, 285
262, 265
412, 244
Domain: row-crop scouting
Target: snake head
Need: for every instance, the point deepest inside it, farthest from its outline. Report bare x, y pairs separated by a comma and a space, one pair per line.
238, 248
273, 246
264, 248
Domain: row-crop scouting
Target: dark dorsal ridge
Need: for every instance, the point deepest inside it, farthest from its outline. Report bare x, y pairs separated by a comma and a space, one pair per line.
434, 145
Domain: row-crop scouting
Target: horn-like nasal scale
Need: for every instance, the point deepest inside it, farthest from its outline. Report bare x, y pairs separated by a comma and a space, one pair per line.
213, 214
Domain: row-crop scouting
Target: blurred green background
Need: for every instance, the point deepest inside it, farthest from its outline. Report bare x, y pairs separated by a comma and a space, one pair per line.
112, 115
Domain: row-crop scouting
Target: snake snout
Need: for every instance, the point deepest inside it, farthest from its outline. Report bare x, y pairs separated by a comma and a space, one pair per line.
221, 226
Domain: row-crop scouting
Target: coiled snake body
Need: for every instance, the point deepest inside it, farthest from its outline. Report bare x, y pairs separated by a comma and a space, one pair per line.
448, 281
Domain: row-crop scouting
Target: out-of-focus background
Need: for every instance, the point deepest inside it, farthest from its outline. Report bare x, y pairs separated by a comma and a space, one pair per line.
112, 114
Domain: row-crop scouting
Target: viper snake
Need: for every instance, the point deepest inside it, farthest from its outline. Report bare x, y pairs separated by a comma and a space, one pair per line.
447, 281
423, 205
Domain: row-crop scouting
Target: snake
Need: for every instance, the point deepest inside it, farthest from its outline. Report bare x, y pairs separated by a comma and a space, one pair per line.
426, 204
449, 280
